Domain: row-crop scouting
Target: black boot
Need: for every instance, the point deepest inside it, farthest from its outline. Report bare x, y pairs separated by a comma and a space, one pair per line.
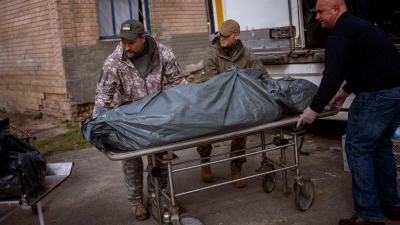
391, 212
355, 220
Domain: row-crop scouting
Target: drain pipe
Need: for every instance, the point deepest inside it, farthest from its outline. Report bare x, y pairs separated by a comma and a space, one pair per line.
147, 5
291, 42
143, 13
301, 24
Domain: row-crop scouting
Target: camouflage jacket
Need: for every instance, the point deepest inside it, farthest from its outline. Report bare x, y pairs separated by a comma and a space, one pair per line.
120, 80
216, 61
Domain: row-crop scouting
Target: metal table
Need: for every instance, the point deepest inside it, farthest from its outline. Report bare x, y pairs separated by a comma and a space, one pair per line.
57, 173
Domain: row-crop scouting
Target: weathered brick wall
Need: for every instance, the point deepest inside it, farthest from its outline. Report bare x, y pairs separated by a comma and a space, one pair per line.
77, 27
30, 54
78, 23
35, 42
181, 25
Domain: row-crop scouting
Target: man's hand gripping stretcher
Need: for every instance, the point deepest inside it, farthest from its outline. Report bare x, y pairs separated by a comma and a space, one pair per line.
310, 115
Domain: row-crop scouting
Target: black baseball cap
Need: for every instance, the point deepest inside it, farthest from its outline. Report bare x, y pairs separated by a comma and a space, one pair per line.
130, 29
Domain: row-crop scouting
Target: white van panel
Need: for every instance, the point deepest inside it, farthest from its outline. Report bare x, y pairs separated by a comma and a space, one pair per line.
269, 13
308, 70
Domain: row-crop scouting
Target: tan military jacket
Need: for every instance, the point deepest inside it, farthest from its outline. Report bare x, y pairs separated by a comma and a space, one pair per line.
121, 81
216, 61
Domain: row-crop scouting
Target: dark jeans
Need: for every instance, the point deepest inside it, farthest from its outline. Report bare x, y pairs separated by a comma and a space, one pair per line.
373, 118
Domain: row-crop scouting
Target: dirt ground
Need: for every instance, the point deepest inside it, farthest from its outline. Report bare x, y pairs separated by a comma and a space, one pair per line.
47, 126
27, 122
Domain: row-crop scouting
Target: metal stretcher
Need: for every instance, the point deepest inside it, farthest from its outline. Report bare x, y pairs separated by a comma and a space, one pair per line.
164, 205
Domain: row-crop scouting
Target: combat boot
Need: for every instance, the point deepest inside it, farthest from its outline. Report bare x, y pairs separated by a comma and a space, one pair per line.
206, 174
140, 212
236, 167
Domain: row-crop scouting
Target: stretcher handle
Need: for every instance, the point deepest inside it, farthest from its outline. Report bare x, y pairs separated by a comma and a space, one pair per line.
325, 113
328, 112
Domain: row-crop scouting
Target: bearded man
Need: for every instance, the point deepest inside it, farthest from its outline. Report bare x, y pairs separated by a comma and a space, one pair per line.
134, 70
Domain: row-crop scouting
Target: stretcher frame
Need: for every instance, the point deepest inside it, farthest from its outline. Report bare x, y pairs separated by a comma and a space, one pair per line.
166, 205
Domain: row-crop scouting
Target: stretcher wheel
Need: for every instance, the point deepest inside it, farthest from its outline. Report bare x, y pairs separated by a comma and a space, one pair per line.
152, 205
187, 219
268, 180
304, 195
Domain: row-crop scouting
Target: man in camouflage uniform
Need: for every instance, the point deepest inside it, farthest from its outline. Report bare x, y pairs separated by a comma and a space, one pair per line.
227, 49
134, 70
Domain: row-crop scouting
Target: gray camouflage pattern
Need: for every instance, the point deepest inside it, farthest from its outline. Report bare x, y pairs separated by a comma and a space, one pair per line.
120, 82
133, 177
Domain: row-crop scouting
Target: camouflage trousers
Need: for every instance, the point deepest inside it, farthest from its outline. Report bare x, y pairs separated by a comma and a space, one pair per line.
236, 145
133, 177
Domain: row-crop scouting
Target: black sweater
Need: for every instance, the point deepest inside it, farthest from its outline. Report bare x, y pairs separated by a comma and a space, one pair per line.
361, 54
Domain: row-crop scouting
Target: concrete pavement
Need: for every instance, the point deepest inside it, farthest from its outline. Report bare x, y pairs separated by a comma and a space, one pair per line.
95, 192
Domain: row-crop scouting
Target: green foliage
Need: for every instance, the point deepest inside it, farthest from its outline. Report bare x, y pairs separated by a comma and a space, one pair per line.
70, 140
37, 116
64, 120
3, 110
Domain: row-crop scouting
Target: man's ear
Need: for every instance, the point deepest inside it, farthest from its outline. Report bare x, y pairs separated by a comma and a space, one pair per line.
336, 9
237, 35
143, 38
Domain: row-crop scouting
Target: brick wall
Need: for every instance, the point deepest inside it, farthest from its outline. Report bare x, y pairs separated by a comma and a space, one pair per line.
33, 39
30, 54
78, 23
78, 35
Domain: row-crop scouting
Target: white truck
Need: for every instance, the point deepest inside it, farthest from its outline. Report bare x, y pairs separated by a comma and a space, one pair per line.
282, 33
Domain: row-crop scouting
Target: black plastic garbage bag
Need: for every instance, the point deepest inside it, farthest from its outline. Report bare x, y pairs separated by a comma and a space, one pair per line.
231, 101
22, 167
294, 95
